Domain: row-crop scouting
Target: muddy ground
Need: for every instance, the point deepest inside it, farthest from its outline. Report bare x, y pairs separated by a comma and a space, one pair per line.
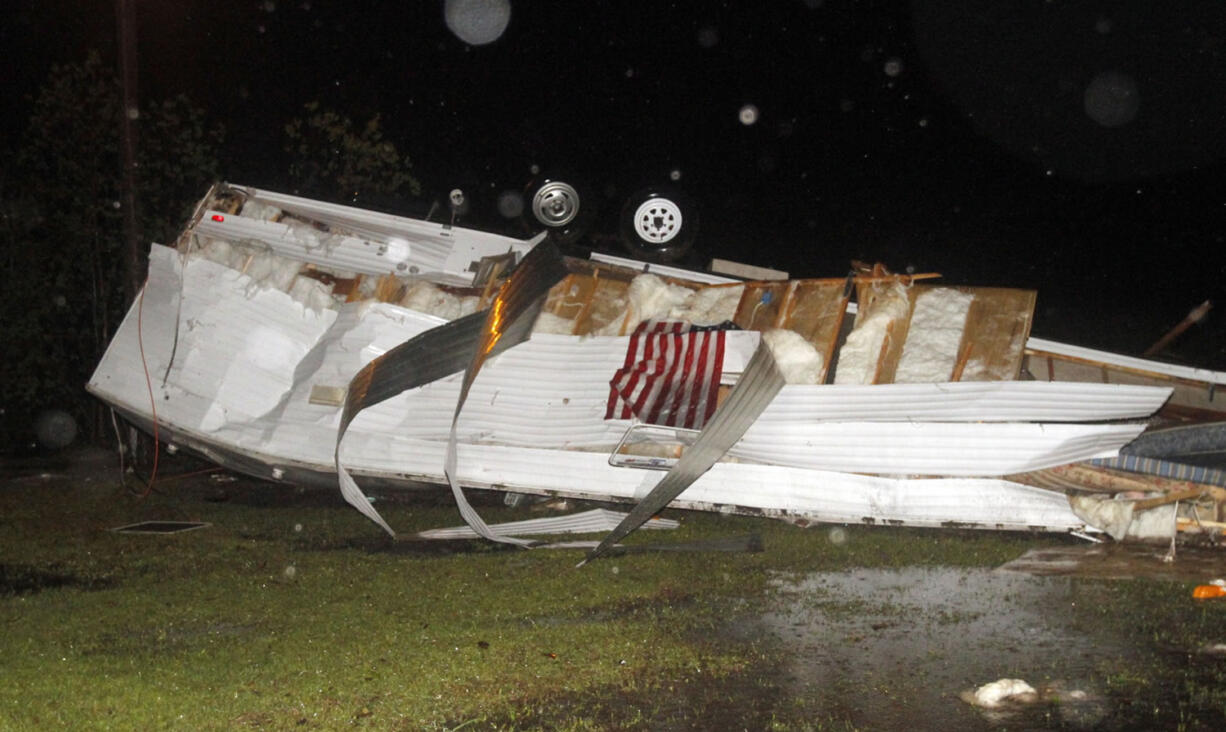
878, 629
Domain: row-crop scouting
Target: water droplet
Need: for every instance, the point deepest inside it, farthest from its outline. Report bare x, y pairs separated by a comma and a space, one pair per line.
1112, 99
290, 572
477, 22
708, 36
510, 204
923, 122
1103, 26
55, 429
837, 536
674, 174
298, 527
893, 67
748, 114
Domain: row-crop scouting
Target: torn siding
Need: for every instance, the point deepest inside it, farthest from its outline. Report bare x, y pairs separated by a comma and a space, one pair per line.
261, 358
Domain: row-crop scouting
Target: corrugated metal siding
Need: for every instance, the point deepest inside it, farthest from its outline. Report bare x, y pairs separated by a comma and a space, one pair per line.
1128, 362
551, 392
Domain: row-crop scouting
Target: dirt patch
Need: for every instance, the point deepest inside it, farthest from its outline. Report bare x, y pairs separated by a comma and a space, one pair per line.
24, 579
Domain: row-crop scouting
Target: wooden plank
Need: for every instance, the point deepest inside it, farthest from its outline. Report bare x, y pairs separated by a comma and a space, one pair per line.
570, 297
608, 303
997, 327
760, 303
389, 289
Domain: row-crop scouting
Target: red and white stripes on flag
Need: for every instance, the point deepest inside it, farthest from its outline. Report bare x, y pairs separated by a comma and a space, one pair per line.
670, 376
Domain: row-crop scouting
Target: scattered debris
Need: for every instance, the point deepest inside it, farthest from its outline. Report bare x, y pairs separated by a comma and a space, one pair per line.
996, 693
587, 522
160, 527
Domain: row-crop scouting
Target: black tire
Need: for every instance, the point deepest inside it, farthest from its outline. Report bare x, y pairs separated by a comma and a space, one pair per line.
658, 224
563, 207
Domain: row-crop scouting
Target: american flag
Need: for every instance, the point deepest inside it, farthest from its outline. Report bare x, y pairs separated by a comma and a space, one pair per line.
670, 376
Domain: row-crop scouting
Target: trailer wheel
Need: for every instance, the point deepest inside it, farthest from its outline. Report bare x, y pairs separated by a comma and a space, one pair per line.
562, 207
658, 224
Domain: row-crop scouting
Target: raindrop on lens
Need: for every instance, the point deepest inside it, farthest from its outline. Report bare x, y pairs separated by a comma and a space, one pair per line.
748, 114
290, 572
1112, 99
477, 22
297, 527
893, 67
55, 429
674, 174
837, 536
708, 36
510, 204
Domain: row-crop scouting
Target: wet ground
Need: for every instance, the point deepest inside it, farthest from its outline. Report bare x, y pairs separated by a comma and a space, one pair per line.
893, 649
868, 648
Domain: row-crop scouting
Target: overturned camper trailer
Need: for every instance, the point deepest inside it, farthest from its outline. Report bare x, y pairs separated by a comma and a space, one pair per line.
310, 342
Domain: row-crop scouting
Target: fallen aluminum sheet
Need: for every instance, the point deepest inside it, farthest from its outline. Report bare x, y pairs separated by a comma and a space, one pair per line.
466, 341
586, 522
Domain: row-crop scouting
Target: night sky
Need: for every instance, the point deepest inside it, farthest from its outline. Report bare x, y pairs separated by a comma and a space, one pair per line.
1074, 148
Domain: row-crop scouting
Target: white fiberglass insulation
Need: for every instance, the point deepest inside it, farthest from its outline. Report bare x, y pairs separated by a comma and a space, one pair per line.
860, 353
647, 297
931, 350
797, 358
710, 305
547, 322
426, 298
650, 297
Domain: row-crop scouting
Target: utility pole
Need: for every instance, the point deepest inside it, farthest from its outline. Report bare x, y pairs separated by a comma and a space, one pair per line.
125, 11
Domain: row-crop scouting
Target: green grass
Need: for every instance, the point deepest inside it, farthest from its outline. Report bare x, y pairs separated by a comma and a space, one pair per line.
284, 618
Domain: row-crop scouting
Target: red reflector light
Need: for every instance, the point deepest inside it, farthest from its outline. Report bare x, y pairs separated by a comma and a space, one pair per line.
218, 217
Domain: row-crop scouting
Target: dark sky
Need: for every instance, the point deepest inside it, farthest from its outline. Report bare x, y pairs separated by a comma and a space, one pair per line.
1075, 148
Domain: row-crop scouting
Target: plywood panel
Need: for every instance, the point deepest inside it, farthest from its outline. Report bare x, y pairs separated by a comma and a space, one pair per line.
997, 327
760, 305
815, 309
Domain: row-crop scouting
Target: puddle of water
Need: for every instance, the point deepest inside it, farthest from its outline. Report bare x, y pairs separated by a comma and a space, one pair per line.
895, 648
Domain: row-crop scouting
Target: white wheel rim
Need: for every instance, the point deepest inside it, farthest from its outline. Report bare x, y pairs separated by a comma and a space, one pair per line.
556, 204
657, 220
